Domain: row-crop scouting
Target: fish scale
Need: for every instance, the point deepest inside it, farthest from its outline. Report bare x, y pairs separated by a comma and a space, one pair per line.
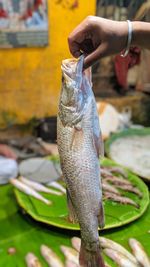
78, 138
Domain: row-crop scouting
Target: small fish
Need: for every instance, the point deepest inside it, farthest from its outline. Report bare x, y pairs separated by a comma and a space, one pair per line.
139, 252
80, 144
105, 172
39, 187
51, 257
120, 199
108, 243
71, 254
76, 243
130, 188
118, 170
118, 180
57, 186
109, 188
71, 264
119, 258
32, 260
29, 191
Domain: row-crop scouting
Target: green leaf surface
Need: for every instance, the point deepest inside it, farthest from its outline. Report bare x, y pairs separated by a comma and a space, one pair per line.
115, 214
26, 235
123, 134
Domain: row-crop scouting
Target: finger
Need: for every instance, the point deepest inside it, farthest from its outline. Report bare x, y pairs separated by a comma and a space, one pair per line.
75, 40
74, 48
100, 52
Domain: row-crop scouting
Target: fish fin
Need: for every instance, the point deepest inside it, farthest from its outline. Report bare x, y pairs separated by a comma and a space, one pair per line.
101, 216
72, 214
77, 138
89, 258
98, 145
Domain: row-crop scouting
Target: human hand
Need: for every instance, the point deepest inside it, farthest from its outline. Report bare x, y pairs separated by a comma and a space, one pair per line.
97, 37
7, 152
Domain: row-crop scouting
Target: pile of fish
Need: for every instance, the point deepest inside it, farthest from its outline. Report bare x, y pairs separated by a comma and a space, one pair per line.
120, 255
33, 188
115, 184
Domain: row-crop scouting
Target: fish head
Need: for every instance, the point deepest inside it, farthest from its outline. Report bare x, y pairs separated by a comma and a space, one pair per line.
73, 93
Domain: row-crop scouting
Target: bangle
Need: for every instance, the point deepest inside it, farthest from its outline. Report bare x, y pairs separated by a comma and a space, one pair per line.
125, 53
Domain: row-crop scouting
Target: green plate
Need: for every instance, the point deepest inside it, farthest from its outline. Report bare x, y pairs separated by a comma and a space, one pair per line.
26, 235
143, 160
115, 214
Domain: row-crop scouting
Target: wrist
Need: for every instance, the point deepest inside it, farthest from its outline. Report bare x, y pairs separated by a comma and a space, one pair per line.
141, 33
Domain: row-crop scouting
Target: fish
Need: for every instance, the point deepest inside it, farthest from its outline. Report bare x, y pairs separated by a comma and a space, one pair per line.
108, 243
109, 188
71, 254
57, 186
139, 252
118, 170
80, 144
130, 188
51, 257
29, 191
71, 264
39, 187
32, 260
118, 180
76, 243
119, 258
120, 199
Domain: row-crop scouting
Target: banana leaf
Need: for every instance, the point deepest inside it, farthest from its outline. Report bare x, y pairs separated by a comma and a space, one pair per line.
122, 135
116, 214
26, 235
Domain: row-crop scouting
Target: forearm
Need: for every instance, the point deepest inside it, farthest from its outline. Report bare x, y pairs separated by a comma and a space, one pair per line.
141, 34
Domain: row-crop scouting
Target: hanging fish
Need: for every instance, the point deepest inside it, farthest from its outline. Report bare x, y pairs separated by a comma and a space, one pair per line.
79, 145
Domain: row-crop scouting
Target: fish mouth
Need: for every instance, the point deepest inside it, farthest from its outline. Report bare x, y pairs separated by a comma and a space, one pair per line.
68, 67
73, 67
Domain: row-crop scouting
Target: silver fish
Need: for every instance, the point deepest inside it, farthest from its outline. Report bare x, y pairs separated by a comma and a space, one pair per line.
71, 254
29, 191
51, 257
57, 186
79, 145
108, 243
120, 199
119, 258
39, 187
32, 260
139, 252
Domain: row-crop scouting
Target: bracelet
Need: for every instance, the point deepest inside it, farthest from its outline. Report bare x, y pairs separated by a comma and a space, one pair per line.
125, 53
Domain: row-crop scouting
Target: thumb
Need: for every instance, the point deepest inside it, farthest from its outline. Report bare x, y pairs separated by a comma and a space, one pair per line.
100, 52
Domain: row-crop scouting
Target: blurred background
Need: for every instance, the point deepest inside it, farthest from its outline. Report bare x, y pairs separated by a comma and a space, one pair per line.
33, 44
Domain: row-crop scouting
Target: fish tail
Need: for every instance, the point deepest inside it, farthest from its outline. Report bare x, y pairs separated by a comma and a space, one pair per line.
89, 258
